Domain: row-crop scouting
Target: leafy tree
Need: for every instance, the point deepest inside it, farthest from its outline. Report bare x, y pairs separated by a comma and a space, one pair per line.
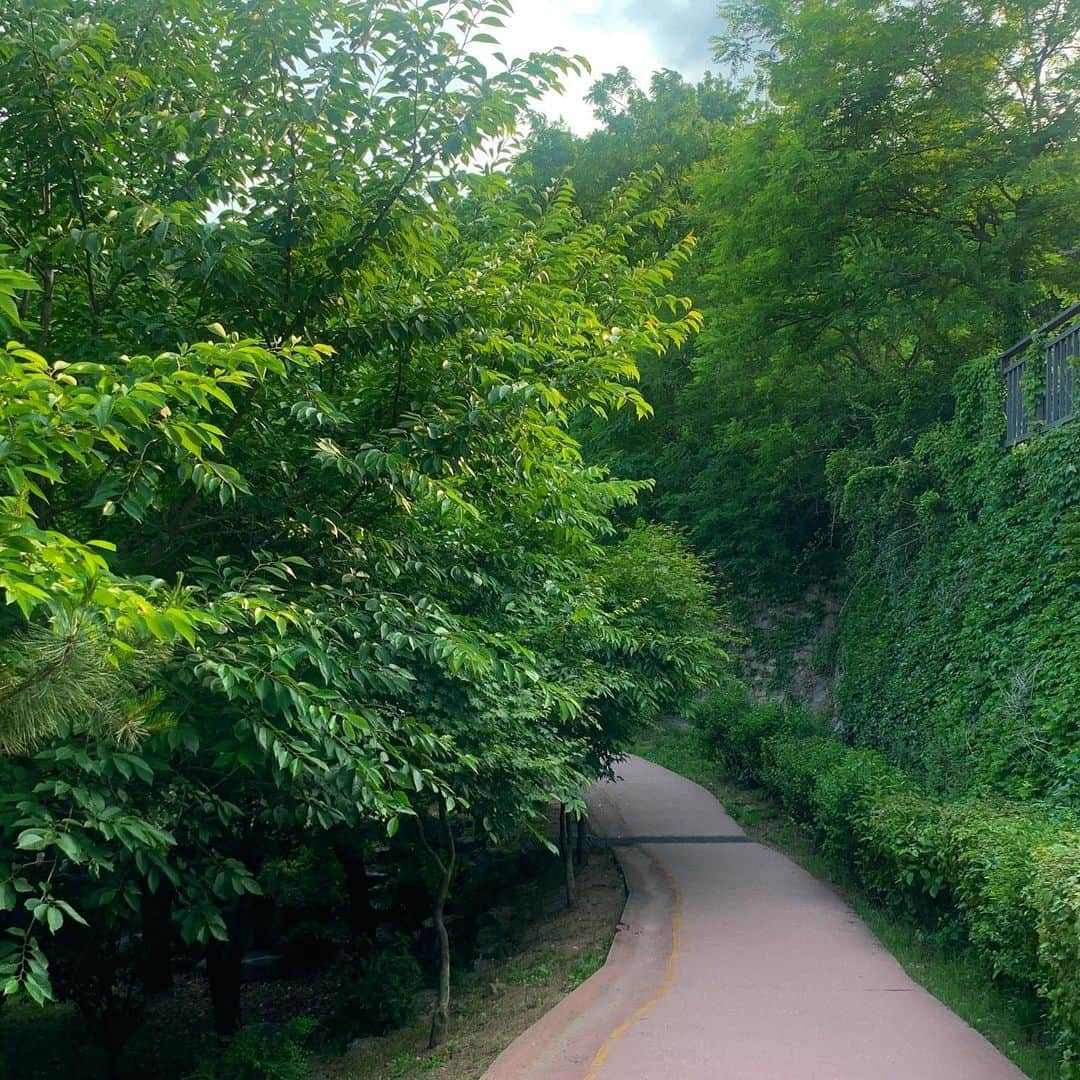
902, 198
893, 193
673, 125
669, 132
324, 564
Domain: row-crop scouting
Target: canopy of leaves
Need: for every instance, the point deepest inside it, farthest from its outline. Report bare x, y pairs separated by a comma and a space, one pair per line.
894, 192
346, 558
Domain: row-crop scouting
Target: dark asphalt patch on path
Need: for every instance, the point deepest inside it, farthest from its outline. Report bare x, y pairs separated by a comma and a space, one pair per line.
627, 841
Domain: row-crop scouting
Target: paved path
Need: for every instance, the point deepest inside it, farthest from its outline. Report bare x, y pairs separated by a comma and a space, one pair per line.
732, 963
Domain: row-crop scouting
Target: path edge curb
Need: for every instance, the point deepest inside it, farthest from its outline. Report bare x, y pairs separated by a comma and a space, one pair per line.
635, 966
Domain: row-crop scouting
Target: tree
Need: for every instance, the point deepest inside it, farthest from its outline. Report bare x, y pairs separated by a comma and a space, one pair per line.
668, 132
330, 550
895, 194
899, 201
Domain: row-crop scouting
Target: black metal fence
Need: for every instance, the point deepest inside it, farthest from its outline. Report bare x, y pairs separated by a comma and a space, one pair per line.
1057, 403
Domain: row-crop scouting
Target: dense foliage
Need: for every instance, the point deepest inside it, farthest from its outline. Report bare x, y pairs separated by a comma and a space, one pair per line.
340, 563
959, 641
352, 444
893, 192
890, 193
904, 199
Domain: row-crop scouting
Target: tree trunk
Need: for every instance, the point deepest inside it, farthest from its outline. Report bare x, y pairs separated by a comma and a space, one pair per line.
582, 852
440, 1019
224, 958
223, 970
155, 955
48, 289
567, 855
223, 966
350, 854
48, 278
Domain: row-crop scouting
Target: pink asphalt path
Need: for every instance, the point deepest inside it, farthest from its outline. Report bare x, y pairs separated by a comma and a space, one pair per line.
733, 963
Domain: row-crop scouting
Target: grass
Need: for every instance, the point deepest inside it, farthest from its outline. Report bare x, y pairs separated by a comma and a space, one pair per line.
951, 971
534, 975
585, 966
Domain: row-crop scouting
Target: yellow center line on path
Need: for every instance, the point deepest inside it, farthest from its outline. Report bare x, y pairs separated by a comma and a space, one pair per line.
665, 986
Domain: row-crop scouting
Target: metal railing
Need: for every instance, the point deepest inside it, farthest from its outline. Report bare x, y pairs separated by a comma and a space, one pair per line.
1057, 403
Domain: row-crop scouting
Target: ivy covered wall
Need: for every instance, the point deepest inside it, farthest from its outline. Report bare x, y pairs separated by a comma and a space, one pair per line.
959, 641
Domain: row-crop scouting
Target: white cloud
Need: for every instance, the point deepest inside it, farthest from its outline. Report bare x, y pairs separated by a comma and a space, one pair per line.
642, 35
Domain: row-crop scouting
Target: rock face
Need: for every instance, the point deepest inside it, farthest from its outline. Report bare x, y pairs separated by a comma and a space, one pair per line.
791, 653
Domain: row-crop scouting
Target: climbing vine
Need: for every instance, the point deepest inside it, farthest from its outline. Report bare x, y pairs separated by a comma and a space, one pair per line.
960, 634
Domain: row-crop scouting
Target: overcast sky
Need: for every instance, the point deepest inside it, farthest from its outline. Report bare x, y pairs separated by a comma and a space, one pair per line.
643, 35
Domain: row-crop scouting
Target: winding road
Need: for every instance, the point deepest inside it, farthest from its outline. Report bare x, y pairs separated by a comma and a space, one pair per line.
733, 963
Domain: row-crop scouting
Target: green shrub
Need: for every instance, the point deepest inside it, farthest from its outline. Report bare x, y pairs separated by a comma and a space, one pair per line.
843, 797
748, 734
383, 996
712, 715
1006, 876
989, 855
730, 729
1054, 894
901, 856
791, 765
256, 1053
